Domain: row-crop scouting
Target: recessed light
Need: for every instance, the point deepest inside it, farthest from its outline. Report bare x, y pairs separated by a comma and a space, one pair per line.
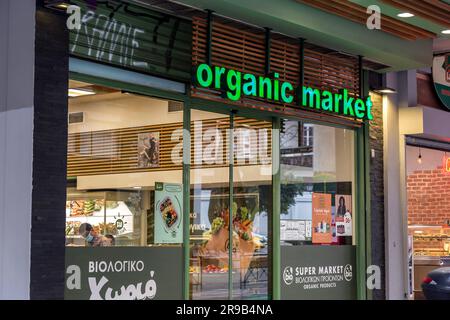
446, 31
79, 93
405, 15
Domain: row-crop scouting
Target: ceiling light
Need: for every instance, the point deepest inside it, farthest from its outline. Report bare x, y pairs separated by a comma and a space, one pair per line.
385, 90
446, 31
405, 15
419, 158
79, 93
57, 5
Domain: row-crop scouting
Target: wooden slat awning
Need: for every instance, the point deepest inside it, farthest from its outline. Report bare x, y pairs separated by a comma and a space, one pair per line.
432, 10
357, 13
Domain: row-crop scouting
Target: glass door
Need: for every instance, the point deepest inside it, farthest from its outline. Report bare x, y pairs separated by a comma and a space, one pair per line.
252, 207
231, 192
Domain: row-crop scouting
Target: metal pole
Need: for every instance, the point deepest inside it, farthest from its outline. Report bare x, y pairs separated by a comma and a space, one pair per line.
230, 205
276, 207
209, 36
267, 56
301, 79
186, 194
361, 76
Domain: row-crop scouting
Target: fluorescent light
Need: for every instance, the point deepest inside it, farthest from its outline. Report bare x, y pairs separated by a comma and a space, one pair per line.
79, 93
446, 31
405, 15
137, 187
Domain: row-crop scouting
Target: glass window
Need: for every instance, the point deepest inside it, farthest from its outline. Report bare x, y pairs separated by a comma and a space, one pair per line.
317, 184
120, 146
211, 274
308, 135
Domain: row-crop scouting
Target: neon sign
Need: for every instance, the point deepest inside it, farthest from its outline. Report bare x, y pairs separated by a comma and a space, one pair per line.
236, 84
446, 165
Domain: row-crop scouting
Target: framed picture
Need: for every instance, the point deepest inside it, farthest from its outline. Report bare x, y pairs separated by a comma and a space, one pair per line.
148, 150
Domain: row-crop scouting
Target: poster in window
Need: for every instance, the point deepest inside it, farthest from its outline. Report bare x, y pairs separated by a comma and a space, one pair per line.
168, 212
343, 215
321, 218
148, 150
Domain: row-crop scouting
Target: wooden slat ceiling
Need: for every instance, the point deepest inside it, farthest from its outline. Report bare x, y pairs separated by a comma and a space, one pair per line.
116, 151
357, 13
432, 10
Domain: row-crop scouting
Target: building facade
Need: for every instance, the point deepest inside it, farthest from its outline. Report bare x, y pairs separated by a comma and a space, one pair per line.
194, 154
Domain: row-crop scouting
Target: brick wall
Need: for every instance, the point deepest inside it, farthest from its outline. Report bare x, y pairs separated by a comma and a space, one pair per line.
49, 155
428, 197
377, 191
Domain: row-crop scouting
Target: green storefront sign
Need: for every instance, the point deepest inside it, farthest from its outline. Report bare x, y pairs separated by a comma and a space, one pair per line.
123, 273
441, 78
318, 272
235, 85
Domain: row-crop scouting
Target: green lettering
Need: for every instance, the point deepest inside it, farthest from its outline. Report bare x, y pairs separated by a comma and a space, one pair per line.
348, 104
337, 102
284, 97
249, 88
218, 77
276, 88
201, 69
234, 84
267, 83
369, 108
327, 101
359, 108
314, 94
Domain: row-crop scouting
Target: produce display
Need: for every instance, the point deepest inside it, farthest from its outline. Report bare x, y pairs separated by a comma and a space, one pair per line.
211, 268
193, 269
217, 224
79, 208
109, 228
242, 222
95, 212
72, 228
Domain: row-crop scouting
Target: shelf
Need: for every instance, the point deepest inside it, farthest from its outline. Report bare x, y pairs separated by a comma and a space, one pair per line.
425, 238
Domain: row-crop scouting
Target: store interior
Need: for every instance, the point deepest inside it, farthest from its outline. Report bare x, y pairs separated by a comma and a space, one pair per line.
120, 144
428, 200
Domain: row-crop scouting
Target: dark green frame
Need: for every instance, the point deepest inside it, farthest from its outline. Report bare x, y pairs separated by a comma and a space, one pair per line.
362, 179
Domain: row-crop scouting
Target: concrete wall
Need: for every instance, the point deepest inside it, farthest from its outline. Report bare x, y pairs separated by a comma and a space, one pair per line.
17, 30
394, 245
402, 117
49, 155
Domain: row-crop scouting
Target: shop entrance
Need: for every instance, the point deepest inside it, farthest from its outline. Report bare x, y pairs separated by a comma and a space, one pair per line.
231, 206
427, 185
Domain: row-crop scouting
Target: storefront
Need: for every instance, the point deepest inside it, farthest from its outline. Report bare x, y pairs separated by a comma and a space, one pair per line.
210, 159
428, 168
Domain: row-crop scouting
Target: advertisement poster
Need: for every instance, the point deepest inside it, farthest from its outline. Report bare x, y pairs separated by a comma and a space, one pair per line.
123, 273
168, 212
295, 230
318, 272
148, 150
321, 218
344, 215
